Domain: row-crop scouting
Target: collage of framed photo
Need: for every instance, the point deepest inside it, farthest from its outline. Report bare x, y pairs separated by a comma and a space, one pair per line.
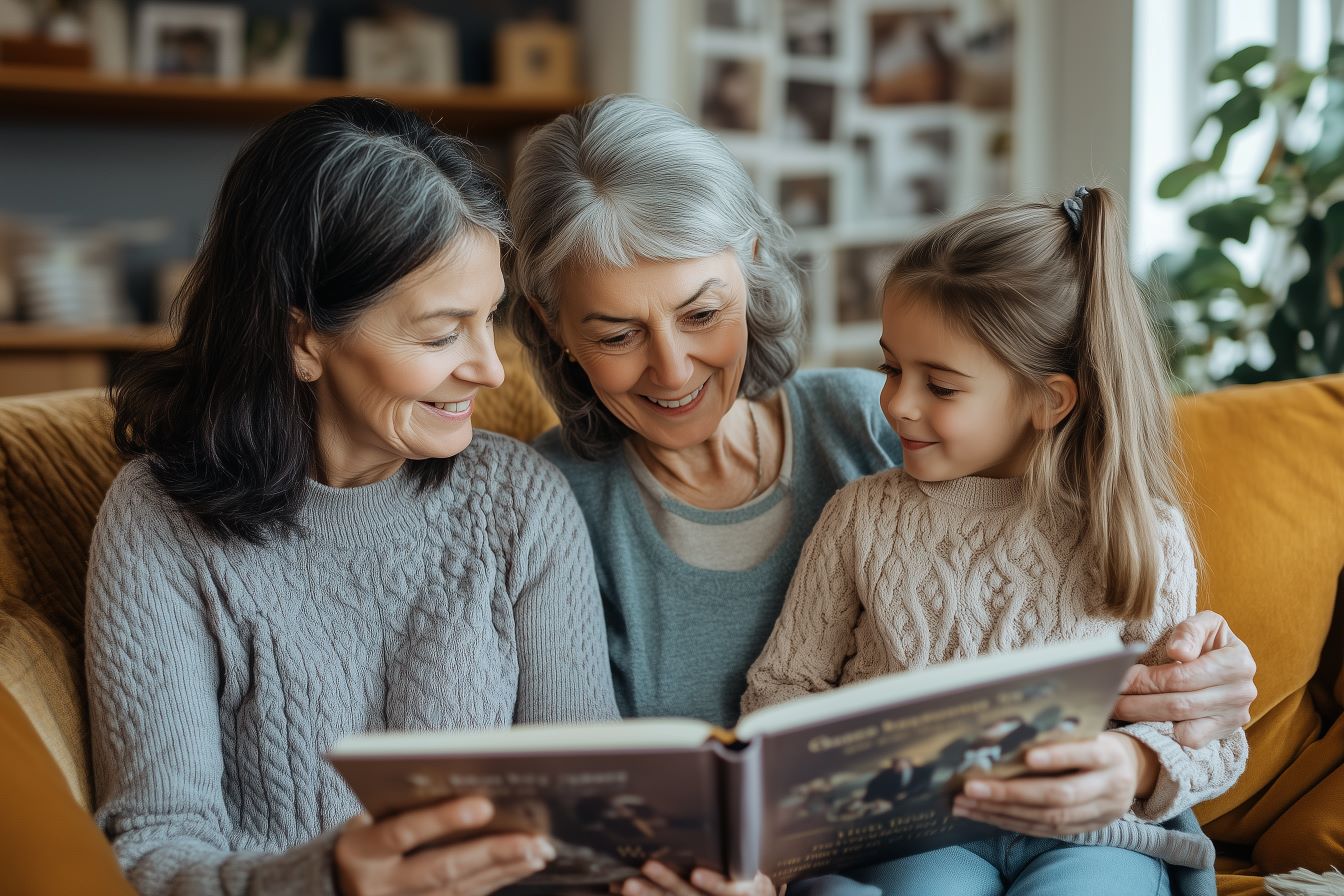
865, 122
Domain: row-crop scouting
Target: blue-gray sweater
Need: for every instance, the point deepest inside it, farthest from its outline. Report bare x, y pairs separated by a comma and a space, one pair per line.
681, 638
220, 672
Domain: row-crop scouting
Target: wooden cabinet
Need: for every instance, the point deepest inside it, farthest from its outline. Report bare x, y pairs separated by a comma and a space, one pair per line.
47, 358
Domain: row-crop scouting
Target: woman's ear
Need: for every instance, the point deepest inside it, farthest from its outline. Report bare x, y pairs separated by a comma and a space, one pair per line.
305, 346
1061, 397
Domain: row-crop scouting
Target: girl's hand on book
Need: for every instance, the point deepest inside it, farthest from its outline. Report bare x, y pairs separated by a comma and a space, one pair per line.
1083, 785
659, 880
371, 857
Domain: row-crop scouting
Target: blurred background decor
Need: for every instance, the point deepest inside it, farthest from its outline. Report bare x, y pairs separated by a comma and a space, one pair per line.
537, 56
403, 48
190, 40
137, 111
1278, 312
849, 115
863, 121
277, 47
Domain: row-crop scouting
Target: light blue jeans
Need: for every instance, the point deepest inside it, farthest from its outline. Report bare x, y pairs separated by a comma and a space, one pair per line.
1004, 865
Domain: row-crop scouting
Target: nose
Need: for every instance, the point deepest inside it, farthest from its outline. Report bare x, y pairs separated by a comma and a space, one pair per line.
483, 367
669, 365
902, 399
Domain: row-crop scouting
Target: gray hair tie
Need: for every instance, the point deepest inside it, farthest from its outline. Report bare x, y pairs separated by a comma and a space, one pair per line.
1073, 208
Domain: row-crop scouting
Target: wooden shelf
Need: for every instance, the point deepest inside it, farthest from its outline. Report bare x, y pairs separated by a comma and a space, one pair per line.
57, 338
41, 93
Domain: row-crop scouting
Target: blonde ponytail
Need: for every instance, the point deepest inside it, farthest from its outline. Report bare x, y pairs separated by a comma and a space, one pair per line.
1047, 295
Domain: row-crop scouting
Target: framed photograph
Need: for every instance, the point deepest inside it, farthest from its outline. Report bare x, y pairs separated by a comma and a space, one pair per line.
810, 28
905, 172
733, 15
277, 47
809, 111
807, 200
404, 51
858, 276
190, 40
731, 94
985, 76
536, 57
911, 56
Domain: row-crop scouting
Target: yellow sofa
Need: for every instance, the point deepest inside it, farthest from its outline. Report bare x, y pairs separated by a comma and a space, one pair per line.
1266, 482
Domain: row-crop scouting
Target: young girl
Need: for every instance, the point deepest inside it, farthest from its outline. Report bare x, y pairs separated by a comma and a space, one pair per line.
1036, 504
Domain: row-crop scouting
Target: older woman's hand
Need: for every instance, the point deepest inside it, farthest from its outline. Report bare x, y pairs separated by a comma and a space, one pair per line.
372, 857
659, 880
1207, 691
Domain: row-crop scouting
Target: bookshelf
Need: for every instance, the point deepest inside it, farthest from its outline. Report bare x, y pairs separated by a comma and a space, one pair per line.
55, 94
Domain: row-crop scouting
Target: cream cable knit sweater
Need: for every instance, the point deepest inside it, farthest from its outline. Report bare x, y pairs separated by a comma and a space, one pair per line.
901, 574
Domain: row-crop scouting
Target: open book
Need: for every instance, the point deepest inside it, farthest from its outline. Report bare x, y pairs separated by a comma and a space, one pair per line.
811, 786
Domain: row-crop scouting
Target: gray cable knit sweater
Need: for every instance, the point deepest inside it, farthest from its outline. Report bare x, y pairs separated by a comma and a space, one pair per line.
219, 673
901, 574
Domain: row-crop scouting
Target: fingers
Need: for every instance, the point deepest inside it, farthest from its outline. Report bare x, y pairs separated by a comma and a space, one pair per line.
401, 833
1039, 792
487, 882
1022, 826
1201, 633
706, 881
659, 880
1223, 721
505, 856
1220, 709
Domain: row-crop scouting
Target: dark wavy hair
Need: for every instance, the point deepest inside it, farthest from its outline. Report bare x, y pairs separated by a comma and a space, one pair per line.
322, 212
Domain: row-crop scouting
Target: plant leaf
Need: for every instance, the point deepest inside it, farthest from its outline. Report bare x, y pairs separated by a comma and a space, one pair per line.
1320, 179
1235, 67
1208, 273
1293, 83
1240, 110
1178, 181
1229, 220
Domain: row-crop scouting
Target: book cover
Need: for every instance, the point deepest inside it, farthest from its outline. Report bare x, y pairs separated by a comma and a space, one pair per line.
812, 786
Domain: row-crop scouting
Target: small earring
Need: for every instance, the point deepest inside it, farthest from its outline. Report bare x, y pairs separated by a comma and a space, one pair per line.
569, 356
305, 374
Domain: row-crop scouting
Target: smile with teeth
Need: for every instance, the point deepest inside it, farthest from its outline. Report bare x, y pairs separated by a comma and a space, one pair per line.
677, 402
452, 407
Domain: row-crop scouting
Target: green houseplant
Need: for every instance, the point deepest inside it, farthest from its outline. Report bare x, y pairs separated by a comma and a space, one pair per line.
1227, 325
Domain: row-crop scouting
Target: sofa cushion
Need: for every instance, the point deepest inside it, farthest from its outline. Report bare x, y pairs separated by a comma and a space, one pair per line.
49, 845
1266, 501
56, 463
516, 408
37, 669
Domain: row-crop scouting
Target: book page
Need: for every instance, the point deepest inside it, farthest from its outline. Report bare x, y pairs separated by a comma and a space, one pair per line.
606, 809
877, 783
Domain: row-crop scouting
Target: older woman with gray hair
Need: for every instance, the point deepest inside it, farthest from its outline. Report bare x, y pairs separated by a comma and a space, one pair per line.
663, 320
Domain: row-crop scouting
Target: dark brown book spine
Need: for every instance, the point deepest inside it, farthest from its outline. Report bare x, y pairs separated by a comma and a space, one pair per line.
742, 807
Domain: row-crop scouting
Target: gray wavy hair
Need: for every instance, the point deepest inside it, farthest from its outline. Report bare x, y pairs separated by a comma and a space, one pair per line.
624, 179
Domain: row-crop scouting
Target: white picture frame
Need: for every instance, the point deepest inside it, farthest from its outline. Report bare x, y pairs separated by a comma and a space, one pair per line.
190, 40
410, 51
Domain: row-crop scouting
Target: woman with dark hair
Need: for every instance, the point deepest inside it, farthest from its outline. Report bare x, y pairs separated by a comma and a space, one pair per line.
309, 540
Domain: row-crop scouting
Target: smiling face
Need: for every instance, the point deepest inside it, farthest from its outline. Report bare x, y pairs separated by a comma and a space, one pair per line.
663, 343
957, 408
401, 384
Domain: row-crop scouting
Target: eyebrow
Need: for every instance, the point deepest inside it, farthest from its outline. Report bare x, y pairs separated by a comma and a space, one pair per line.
929, 364
712, 282
455, 313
